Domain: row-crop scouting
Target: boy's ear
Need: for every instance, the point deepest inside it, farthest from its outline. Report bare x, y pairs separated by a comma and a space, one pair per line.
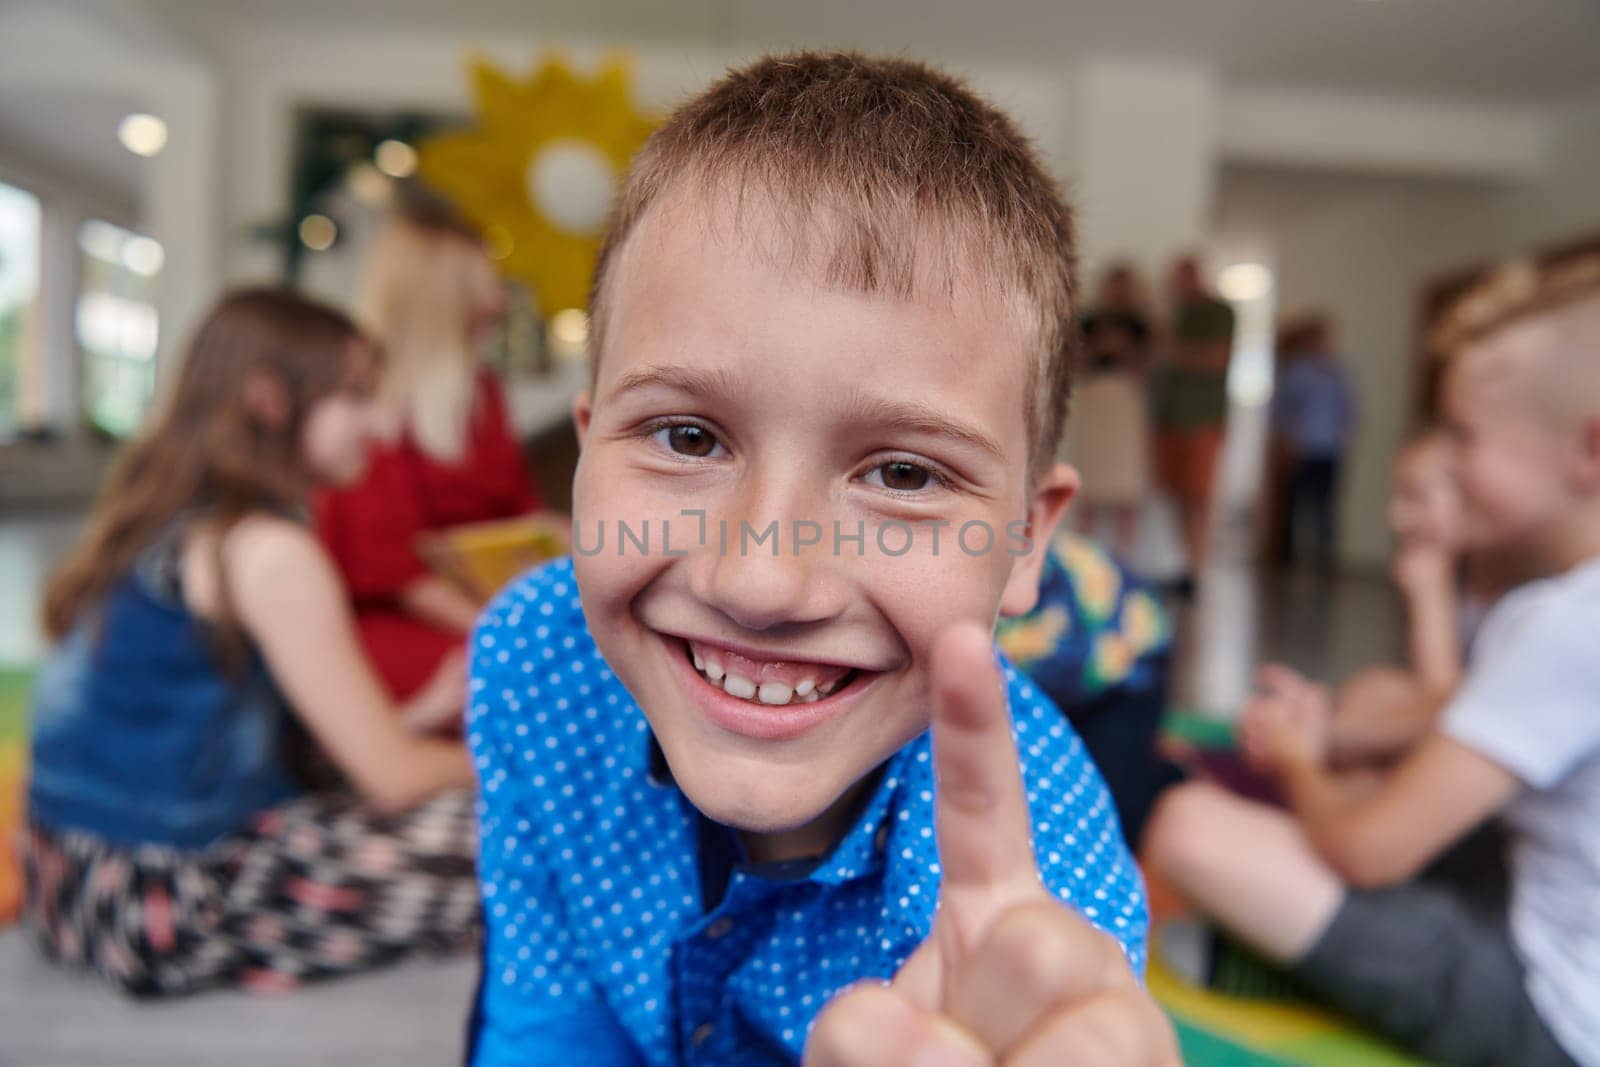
582, 409
266, 400
1052, 492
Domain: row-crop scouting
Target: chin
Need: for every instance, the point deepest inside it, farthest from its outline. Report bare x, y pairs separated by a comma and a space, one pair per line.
752, 795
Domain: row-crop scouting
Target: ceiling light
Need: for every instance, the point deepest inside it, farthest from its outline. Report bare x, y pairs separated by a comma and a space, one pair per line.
141, 134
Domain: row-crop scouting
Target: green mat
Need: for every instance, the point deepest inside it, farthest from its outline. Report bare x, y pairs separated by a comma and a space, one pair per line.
1197, 729
1215, 1030
15, 682
1203, 1049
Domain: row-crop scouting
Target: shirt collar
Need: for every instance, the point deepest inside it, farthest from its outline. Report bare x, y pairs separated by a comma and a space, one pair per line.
858, 854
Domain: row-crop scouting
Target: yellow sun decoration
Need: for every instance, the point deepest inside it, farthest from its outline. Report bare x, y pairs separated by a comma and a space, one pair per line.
556, 131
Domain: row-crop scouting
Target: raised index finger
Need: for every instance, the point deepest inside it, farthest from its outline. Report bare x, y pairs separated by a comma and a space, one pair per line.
980, 810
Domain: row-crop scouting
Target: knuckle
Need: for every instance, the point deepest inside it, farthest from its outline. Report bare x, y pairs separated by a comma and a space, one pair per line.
841, 1024
1043, 945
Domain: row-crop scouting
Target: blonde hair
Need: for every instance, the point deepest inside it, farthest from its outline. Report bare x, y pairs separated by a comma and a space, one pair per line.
1516, 291
900, 160
424, 278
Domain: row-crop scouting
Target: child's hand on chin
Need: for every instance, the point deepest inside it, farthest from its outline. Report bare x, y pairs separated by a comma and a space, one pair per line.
1009, 974
1289, 720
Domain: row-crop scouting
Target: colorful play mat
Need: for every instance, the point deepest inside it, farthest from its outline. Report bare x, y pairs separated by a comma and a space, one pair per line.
14, 683
1223, 1031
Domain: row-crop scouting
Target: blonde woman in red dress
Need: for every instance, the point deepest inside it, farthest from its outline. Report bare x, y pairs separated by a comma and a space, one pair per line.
430, 298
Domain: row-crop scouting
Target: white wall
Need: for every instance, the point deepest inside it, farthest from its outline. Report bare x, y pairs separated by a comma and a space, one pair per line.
268, 73
1362, 248
1566, 199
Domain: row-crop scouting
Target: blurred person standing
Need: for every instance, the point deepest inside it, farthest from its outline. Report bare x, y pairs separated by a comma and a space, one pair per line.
1109, 436
1313, 415
430, 299
1191, 405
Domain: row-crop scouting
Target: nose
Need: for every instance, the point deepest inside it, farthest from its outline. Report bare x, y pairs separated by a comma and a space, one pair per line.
755, 577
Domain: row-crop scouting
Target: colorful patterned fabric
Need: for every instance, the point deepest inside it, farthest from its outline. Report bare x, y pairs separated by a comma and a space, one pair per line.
1098, 644
319, 887
1096, 627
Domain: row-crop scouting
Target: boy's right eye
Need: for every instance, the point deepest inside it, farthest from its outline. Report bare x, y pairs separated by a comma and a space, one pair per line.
687, 439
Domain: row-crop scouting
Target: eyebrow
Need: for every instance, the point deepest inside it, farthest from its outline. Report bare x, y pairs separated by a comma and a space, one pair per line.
913, 416
696, 381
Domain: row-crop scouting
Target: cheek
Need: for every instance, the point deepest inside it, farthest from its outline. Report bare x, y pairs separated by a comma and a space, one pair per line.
921, 593
603, 500
336, 442
1501, 479
314, 438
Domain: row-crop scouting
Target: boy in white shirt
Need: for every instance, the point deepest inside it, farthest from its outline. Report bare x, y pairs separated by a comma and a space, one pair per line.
1326, 889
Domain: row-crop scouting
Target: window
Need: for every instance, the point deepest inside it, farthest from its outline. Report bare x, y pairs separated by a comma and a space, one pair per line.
21, 399
117, 325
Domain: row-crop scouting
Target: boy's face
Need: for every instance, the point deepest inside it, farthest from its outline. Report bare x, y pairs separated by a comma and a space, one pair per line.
733, 384
1515, 456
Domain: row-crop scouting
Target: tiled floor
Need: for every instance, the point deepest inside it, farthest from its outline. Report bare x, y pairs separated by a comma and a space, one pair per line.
414, 1015
409, 1016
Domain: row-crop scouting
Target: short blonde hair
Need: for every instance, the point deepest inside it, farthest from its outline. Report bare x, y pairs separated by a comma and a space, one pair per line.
1513, 293
891, 152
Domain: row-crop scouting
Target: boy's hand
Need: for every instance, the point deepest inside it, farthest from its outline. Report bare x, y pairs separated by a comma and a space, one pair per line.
1287, 721
1009, 975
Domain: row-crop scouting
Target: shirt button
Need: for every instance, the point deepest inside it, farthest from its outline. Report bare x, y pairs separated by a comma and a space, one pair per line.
702, 1034
719, 928
881, 838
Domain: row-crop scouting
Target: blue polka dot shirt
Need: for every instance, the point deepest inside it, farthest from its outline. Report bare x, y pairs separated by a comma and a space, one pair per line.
599, 947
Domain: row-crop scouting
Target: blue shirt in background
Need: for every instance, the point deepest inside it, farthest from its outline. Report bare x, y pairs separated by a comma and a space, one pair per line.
1314, 408
599, 946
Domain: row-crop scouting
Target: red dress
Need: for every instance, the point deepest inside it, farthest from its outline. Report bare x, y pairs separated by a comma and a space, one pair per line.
371, 528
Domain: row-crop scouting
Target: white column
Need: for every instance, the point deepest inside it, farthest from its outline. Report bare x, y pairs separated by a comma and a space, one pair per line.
1143, 168
180, 206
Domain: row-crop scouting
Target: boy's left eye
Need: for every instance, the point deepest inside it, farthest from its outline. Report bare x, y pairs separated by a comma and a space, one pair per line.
903, 476
687, 439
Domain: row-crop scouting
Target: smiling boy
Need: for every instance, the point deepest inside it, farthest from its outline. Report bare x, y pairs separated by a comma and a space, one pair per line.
831, 329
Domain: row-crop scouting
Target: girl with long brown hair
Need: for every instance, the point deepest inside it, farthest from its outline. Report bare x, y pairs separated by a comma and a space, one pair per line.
171, 847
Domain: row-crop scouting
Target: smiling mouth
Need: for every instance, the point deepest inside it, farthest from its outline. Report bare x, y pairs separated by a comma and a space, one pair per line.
773, 683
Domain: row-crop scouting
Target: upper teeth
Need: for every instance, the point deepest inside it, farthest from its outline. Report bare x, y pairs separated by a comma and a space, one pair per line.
806, 691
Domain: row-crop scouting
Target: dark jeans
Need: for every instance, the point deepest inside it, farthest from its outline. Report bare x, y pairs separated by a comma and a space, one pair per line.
1120, 728
1313, 492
